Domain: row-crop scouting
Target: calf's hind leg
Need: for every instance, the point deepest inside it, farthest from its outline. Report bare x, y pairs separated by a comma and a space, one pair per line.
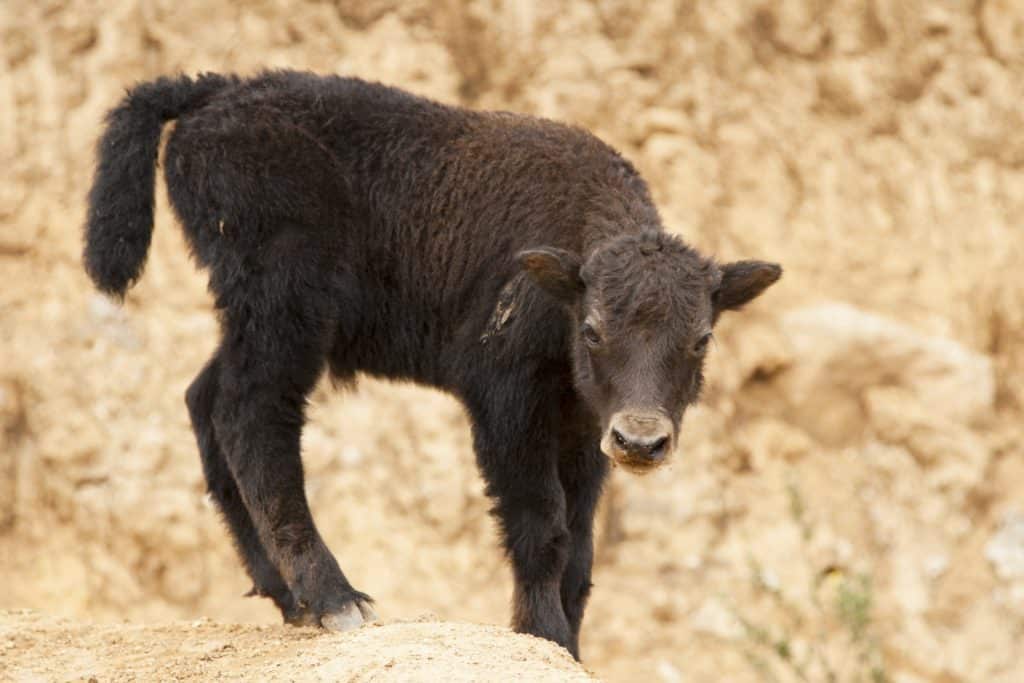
273, 351
200, 398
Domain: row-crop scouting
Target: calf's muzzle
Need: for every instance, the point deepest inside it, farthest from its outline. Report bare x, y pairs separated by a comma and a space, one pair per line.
638, 440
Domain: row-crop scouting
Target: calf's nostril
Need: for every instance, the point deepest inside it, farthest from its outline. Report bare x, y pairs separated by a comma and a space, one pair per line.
657, 447
620, 440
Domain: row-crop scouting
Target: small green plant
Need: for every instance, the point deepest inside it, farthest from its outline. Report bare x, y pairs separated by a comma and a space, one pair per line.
838, 599
853, 604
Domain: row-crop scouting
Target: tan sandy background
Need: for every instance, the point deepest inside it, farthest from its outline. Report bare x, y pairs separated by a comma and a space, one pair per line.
847, 504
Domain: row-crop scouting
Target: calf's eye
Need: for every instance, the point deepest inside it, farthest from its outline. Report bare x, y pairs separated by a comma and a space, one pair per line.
590, 335
702, 344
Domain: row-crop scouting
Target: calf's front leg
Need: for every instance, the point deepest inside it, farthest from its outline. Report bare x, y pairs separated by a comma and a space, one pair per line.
518, 455
582, 471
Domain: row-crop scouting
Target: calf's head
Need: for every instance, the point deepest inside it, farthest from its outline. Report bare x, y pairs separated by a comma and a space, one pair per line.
642, 308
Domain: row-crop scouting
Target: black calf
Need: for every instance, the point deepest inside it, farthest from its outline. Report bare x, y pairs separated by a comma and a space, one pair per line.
517, 263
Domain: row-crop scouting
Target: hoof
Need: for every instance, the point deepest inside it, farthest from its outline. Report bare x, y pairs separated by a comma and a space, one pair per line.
301, 617
352, 615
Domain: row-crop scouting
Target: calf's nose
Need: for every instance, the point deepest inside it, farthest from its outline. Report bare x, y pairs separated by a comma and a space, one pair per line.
640, 438
644, 448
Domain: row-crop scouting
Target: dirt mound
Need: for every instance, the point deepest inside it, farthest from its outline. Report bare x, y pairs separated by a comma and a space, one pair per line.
34, 647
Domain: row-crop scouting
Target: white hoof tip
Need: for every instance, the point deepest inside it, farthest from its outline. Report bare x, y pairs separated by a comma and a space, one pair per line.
353, 615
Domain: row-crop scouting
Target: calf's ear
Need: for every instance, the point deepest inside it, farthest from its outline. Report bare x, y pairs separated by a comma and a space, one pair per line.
557, 271
742, 282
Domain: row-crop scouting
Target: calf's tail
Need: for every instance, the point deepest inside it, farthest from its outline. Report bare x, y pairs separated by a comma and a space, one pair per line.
119, 225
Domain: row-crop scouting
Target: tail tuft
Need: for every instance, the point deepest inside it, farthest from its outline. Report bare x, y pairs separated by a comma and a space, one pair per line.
119, 226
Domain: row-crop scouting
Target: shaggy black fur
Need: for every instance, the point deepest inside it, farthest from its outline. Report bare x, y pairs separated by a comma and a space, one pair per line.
514, 262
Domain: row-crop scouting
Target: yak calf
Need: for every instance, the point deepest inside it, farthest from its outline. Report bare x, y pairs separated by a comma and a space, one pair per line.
516, 263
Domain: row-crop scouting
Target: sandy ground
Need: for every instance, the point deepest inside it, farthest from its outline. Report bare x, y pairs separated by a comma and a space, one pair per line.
846, 503
34, 647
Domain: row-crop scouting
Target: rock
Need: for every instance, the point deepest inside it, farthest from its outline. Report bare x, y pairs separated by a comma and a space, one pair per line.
668, 672
661, 120
792, 29
957, 455
910, 585
363, 14
713, 618
766, 439
1001, 28
111, 322
1005, 550
936, 20
842, 356
911, 82
12, 427
751, 350
844, 88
